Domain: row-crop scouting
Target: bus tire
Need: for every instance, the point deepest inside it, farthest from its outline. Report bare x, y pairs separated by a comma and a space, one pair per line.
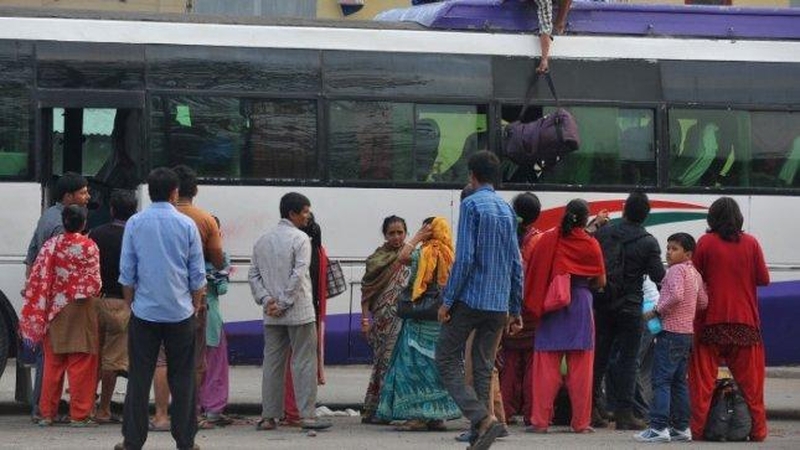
5, 344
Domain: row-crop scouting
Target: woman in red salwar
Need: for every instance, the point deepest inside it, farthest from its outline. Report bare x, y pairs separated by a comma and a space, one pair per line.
567, 332
58, 312
732, 265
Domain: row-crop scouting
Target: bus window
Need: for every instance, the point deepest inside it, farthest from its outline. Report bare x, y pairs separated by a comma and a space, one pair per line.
775, 149
708, 148
404, 141
14, 134
236, 138
617, 148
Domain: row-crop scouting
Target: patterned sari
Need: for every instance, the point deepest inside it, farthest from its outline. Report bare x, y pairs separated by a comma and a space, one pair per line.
382, 284
412, 389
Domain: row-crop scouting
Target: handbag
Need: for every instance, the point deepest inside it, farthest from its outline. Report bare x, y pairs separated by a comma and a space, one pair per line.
426, 307
335, 275
558, 294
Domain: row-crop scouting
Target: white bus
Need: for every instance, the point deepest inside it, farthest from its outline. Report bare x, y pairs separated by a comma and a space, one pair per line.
370, 120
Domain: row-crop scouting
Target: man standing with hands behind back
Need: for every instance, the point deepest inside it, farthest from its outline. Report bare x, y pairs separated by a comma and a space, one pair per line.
281, 283
483, 294
163, 277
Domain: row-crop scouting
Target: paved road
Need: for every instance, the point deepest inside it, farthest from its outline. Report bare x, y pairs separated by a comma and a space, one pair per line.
18, 433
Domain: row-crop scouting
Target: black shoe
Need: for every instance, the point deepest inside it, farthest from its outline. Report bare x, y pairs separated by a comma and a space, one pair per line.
598, 419
627, 421
487, 438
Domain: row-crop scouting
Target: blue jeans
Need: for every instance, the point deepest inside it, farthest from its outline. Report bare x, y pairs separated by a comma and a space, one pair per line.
670, 390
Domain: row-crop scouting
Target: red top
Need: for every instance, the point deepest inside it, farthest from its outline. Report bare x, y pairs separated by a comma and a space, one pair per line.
552, 254
731, 270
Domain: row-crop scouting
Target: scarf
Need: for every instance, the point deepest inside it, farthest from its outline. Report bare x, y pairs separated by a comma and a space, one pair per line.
436, 255
576, 254
67, 269
377, 275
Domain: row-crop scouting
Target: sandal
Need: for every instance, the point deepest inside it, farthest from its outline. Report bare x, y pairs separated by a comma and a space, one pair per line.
85, 423
266, 424
151, 426
436, 425
205, 424
113, 419
412, 425
45, 422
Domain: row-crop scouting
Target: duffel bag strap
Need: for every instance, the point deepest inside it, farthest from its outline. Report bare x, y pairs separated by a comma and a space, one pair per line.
529, 94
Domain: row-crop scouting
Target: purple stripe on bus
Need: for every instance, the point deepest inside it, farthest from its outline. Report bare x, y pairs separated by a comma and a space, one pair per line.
613, 19
344, 343
779, 308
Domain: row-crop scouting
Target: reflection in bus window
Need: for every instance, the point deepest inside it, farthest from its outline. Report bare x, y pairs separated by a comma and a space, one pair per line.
224, 137
14, 134
776, 149
708, 148
617, 148
404, 141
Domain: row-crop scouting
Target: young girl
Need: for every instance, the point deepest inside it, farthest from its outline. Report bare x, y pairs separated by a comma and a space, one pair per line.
682, 293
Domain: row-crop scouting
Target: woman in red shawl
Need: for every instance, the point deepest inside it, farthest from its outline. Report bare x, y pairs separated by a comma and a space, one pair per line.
58, 313
732, 265
567, 332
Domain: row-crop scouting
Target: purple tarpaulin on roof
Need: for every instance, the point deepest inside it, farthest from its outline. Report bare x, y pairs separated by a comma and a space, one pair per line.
605, 18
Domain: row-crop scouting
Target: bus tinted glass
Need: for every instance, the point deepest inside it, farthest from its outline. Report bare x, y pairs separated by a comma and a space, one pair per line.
716, 148
223, 137
617, 149
15, 134
403, 142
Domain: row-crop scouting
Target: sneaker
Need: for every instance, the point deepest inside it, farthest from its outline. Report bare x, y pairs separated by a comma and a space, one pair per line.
680, 435
653, 435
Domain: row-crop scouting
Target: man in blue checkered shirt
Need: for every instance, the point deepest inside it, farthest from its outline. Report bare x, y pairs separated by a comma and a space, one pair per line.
483, 295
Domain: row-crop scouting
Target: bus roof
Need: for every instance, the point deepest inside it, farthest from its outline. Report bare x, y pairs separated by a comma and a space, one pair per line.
722, 22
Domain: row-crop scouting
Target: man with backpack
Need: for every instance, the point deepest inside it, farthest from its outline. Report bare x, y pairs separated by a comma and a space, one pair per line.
630, 253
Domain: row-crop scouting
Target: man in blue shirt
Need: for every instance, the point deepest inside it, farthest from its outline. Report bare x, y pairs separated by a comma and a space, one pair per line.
163, 278
484, 294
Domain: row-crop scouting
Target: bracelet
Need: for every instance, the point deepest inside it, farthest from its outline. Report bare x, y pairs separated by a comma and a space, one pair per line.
364, 320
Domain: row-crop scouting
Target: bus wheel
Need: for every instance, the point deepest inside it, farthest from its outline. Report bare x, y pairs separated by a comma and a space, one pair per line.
4, 344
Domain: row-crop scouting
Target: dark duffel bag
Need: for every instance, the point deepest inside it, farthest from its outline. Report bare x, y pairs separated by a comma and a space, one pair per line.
545, 139
729, 417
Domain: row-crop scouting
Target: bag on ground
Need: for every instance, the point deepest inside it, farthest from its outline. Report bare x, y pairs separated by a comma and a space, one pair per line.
729, 417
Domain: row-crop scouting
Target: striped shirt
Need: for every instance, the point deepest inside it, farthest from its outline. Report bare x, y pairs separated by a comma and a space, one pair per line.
682, 293
487, 273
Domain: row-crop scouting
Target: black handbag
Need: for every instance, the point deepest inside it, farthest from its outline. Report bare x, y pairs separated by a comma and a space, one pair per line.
426, 307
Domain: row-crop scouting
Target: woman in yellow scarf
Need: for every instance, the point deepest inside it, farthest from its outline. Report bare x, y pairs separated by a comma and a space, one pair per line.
412, 390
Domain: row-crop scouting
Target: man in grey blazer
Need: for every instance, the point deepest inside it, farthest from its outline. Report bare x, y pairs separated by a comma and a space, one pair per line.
281, 283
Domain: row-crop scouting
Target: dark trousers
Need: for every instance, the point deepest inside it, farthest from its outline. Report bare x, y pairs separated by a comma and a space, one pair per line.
472, 400
670, 389
621, 330
144, 340
643, 390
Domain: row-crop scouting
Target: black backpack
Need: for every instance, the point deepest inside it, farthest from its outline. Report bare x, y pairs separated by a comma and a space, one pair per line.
612, 295
729, 417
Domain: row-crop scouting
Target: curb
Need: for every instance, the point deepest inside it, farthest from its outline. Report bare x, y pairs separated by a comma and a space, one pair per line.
783, 372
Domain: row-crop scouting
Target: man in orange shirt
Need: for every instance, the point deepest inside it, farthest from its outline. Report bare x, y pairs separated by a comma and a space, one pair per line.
212, 252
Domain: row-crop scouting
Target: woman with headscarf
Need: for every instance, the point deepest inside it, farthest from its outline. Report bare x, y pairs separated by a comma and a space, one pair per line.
412, 390
384, 280
566, 333
732, 265
59, 314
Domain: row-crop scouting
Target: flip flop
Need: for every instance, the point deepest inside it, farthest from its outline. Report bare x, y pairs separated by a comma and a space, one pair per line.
114, 419
412, 425
151, 426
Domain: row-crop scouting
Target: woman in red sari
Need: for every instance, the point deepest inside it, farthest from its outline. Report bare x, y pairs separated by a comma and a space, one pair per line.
58, 312
569, 331
732, 265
